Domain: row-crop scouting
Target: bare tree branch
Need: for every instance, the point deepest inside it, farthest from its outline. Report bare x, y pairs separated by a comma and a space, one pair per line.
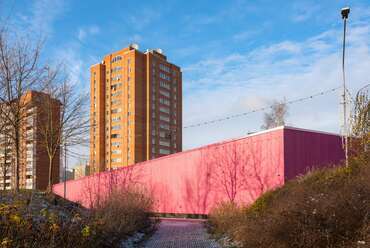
277, 116
70, 127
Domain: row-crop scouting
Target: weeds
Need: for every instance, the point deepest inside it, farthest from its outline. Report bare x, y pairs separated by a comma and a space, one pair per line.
48, 221
326, 208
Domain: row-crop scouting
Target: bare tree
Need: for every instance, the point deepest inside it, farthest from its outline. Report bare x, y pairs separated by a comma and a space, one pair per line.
279, 111
360, 121
19, 73
64, 121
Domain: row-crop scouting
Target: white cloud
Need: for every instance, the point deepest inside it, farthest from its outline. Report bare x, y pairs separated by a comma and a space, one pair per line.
143, 18
244, 35
44, 13
236, 83
304, 11
88, 31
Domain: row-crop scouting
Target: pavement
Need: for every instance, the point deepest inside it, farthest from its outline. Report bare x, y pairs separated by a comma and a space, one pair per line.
174, 233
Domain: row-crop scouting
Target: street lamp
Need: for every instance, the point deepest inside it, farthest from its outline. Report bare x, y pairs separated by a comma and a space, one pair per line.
345, 12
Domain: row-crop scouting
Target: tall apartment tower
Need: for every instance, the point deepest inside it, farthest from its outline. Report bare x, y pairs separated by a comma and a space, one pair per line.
136, 108
33, 158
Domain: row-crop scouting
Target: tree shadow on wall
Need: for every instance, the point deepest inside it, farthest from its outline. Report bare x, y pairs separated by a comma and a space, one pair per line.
237, 172
98, 187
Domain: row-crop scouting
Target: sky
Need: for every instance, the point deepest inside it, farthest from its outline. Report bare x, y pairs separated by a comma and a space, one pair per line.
236, 56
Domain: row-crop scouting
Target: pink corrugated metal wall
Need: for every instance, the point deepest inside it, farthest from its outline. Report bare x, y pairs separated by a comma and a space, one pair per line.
194, 181
304, 150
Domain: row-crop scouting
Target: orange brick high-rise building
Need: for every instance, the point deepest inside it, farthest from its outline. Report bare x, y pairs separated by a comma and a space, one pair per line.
136, 108
33, 158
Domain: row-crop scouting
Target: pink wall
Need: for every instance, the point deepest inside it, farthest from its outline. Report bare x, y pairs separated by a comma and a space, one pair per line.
194, 181
305, 149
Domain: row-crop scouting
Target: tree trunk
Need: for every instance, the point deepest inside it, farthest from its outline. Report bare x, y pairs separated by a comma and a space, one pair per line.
16, 188
5, 168
51, 158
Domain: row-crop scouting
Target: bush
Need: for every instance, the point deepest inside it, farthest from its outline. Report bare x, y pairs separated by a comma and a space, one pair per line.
124, 213
48, 221
326, 208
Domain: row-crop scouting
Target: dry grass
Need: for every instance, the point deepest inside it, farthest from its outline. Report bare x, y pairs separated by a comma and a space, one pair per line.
49, 221
124, 213
326, 208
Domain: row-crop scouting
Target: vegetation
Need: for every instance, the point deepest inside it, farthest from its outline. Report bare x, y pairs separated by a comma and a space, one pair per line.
277, 116
31, 219
326, 208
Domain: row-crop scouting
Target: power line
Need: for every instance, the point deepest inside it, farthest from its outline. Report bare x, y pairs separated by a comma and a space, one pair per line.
259, 109
75, 154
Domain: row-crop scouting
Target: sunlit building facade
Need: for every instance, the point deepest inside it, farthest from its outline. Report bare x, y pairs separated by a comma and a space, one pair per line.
136, 108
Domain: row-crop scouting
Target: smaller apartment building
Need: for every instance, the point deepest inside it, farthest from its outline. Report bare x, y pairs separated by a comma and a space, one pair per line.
33, 158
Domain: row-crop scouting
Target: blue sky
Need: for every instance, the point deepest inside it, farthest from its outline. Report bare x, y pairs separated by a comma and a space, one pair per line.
235, 55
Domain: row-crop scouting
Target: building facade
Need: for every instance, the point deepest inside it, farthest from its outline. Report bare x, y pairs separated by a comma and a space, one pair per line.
81, 170
33, 157
136, 108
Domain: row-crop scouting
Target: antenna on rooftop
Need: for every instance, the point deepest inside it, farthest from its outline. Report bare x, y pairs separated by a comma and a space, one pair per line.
134, 46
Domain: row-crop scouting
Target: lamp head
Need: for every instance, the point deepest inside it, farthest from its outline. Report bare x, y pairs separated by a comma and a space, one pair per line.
345, 12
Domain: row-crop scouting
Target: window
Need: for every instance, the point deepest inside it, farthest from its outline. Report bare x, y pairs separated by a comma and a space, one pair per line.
164, 143
115, 136
164, 93
116, 127
115, 69
163, 134
115, 101
164, 126
116, 58
116, 78
116, 144
118, 93
164, 110
164, 76
115, 86
164, 118
153, 141
164, 101
115, 119
164, 67
116, 151
164, 151
116, 160
164, 85
117, 110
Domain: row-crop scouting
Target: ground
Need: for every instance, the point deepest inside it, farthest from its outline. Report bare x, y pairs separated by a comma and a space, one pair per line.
181, 233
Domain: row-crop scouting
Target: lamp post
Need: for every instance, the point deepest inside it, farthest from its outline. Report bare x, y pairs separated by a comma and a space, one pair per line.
345, 12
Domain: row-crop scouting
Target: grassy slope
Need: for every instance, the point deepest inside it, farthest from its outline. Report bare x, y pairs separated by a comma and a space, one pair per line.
325, 208
35, 219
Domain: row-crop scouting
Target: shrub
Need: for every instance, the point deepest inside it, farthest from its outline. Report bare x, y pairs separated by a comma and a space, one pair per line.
49, 221
125, 212
326, 208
